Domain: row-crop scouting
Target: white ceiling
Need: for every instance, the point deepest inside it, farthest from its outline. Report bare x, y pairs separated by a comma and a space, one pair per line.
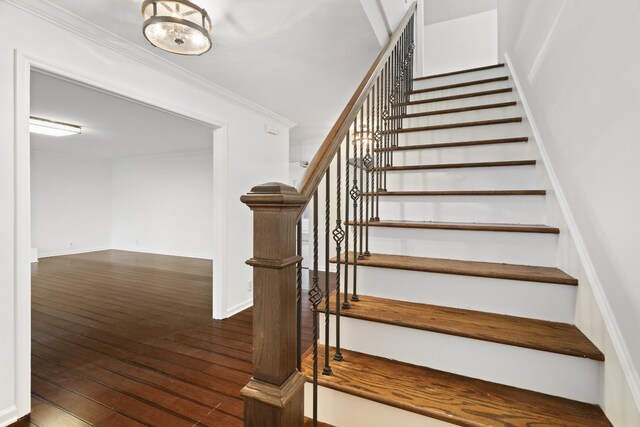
299, 58
112, 127
443, 10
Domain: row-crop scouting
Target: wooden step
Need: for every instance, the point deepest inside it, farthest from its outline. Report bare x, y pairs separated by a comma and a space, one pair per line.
461, 96
462, 193
456, 110
457, 125
517, 228
453, 73
462, 84
455, 144
554, 337
451, 398
461, 165
494, 270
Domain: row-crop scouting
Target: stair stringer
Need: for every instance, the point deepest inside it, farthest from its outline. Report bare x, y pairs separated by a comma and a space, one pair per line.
619, 386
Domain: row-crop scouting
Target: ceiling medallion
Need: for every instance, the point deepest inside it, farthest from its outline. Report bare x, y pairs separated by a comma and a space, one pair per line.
177, 26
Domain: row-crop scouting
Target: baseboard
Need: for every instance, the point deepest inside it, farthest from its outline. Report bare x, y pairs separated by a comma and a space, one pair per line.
8, 416
239, 307
597, 288
71, 252
162, 252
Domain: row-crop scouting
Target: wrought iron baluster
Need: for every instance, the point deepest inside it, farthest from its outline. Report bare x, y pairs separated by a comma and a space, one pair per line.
378, 140
355, 194
327, 290
347, 147
299, 295
315, 297
360, 143
338, 237
366, 165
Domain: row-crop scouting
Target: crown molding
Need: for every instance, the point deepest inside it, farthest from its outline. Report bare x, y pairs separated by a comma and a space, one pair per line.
47, 11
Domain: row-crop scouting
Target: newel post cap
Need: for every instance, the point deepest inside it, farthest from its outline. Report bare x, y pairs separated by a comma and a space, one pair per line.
273, 193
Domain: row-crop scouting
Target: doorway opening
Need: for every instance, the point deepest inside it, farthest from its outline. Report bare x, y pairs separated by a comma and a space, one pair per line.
77, 226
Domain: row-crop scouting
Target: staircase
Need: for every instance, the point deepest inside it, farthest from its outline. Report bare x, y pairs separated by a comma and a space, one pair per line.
463, 317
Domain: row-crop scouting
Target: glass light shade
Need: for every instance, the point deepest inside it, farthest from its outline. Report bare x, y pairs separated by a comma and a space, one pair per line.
51, 128
177, 26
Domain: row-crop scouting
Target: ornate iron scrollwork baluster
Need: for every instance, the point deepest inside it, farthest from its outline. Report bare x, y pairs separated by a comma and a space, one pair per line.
327, 277
355, 194
338, 238
315, 298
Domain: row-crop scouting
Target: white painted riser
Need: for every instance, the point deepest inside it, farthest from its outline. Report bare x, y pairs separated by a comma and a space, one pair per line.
467, 116
551, 373
503, 130
471, 154
459, 78
496, 209
489, 246
461, 90
544, 301
482, 178
346, 410
465, 102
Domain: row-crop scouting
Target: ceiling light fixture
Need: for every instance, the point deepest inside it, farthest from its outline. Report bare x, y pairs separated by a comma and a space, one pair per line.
49, 127
177, 26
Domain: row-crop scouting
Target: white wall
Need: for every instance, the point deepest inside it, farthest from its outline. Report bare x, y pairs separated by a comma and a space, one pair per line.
164, 204
456, 44
70, 203
251, 155
577, 68
384, 16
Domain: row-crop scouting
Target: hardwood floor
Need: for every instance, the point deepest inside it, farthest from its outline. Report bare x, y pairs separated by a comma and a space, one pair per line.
127, 339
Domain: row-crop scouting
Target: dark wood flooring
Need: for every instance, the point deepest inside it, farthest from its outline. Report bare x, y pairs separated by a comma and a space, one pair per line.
127, 339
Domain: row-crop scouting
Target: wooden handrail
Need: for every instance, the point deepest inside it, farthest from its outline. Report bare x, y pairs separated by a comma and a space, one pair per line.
325, 154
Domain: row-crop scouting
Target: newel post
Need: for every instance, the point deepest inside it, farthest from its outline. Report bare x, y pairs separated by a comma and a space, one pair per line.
275, 394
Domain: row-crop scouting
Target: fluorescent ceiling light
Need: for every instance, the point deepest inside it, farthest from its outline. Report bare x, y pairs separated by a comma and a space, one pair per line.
49, 127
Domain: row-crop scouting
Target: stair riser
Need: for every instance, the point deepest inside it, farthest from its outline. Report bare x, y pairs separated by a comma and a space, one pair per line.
495, 209
555, 374
502, 130
465, 102
476, 153
459, 78
466, 116
545, 301
482, 178
343, 409
510, 248
461, 90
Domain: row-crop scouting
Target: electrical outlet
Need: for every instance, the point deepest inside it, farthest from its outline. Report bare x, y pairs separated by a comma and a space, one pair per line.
250, 286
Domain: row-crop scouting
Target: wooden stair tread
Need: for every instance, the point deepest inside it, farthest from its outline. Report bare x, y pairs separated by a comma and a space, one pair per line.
452, 73
460, 96
455, 144
458, 125
449, 397
461, 165
467, 268
554, 337
456, 110
461, 84
462, 193
519, 228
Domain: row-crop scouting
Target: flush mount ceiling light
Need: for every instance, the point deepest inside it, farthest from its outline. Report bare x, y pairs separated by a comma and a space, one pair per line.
177, 26
49, 127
